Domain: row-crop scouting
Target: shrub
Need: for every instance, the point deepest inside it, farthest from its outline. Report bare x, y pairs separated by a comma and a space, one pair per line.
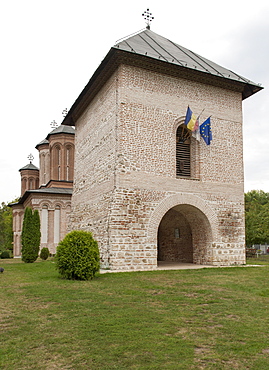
44, 254
77, 256
5, 254
30, 237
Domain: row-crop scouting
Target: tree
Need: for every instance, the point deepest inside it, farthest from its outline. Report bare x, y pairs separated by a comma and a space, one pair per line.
257, 217
6, 234
30, 237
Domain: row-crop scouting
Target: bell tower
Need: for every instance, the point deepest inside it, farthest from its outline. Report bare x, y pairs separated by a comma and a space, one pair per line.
29, 176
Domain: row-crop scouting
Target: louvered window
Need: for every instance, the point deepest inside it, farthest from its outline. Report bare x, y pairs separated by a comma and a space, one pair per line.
183, 152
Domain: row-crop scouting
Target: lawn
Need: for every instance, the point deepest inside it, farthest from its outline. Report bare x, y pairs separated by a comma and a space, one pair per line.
213, 318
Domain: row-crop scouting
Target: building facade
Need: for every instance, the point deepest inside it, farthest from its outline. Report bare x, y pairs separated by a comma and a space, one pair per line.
48, 189
145, 185
147, 195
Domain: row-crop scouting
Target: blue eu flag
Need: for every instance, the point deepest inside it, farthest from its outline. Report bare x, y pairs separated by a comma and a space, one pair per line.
205, 131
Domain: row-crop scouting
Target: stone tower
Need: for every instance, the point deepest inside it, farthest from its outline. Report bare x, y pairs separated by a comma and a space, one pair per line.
146, 194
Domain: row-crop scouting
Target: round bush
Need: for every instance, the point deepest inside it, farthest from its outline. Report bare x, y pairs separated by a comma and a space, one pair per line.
44, 254
77, 256
5, 254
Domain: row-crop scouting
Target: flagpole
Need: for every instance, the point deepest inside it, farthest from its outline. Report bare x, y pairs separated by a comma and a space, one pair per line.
200, 113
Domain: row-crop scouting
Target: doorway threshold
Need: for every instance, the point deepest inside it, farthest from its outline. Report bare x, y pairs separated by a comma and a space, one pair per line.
165, 265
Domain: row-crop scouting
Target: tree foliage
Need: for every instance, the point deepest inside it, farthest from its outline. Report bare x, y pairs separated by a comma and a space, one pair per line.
257, 217
77, 256
44, 253
30, 237
6, 234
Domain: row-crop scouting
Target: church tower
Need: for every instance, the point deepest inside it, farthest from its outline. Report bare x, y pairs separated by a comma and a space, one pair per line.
29, 176
48, 189
148, 187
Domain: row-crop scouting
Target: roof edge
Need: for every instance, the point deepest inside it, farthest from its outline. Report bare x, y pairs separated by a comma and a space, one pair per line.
116, 56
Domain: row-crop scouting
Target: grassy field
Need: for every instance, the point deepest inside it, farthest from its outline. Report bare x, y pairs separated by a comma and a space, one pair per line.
213, 318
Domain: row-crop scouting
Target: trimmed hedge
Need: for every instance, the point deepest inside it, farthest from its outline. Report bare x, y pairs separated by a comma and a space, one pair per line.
77, 256
5, 254
44, 254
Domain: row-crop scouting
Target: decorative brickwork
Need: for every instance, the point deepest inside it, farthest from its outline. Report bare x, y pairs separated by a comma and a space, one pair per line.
50, 192
126, 188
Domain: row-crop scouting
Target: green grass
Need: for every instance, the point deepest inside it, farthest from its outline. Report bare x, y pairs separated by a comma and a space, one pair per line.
213, 318
263, 259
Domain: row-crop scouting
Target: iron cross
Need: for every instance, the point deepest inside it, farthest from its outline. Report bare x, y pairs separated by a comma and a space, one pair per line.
148, 18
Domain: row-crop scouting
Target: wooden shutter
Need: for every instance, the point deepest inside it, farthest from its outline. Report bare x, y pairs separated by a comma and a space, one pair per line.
183, 163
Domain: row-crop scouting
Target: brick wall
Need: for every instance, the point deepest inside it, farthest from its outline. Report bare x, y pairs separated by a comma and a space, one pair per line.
125, 172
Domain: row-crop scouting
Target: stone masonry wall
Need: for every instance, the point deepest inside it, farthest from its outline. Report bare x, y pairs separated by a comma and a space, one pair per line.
125, 169
95, 162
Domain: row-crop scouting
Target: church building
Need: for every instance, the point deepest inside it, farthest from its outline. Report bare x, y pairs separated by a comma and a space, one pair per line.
148, 185
48, 189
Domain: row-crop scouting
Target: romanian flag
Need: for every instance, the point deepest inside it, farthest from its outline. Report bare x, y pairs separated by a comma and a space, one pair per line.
196, 126
205, 131
190, 120
196, 131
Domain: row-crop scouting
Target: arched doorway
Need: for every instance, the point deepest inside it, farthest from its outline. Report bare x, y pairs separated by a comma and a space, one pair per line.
184, 235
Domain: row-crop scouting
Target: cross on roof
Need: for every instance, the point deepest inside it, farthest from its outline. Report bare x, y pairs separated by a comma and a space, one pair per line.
148, 18
30, 157
64, 112
54, 124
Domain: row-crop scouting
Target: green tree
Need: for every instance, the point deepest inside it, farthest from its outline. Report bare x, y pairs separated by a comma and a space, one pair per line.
30, 237
257, 217
6, 234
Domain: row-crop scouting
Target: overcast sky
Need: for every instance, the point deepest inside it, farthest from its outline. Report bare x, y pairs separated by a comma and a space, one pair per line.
50, 49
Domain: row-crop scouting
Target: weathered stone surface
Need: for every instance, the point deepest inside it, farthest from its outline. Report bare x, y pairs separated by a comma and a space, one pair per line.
125, 179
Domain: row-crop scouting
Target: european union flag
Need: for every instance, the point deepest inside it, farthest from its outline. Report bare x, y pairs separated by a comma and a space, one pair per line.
205, 131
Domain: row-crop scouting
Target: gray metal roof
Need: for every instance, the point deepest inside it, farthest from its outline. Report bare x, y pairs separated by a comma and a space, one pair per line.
62, 129
152, 45
29, 166
50, 191
148, 46
45, 141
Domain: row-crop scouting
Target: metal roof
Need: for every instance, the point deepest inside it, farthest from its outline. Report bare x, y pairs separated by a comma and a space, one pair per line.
43, 142
50, 191
62, 129
29, 166
152, 45
150, 49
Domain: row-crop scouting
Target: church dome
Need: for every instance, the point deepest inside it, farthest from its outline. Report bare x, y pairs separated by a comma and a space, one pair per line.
62, 129
29, 166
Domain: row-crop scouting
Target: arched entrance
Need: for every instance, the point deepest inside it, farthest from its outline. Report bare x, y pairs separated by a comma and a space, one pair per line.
184, 235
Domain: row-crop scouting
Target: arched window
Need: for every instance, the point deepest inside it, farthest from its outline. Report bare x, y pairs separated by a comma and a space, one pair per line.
58, 161
183, 151
42, 169
57, 219
68, 163
44, 224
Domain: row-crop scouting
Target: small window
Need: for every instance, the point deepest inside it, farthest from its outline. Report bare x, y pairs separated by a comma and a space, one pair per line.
183, 151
